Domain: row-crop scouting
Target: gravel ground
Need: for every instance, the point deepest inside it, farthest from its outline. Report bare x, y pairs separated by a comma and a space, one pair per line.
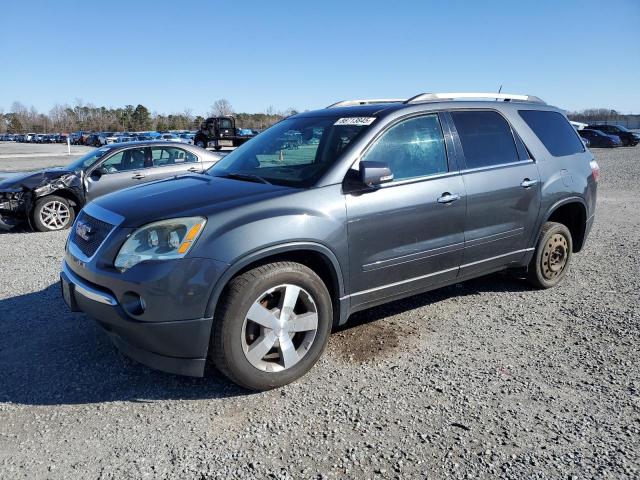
483, 379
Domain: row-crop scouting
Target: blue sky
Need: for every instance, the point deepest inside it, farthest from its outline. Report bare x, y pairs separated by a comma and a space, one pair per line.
175, 55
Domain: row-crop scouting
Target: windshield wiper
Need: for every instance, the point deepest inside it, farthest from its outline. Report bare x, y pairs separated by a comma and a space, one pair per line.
246, 176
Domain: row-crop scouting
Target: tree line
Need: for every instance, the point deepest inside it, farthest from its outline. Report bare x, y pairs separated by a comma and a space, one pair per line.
88, 117
591, 115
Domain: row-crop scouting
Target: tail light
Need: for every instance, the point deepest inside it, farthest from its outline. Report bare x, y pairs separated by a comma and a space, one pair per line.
595, 170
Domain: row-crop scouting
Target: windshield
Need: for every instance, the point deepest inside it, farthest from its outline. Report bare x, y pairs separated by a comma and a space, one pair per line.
295, 152
622, 129
89, 159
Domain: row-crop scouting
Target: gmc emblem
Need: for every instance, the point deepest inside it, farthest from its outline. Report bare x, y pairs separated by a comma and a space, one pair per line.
83, 231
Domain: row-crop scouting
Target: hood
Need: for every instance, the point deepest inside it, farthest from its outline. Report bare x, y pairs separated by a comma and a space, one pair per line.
34, 180
185, 196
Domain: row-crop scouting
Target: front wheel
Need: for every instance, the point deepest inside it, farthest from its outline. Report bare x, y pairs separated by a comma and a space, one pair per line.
552, 257
272, 325
52, 213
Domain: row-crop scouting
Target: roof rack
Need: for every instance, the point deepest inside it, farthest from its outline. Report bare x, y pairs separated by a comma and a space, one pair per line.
370, 101
505, 97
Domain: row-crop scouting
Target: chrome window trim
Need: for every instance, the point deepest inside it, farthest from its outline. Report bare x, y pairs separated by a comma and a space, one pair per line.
494, 167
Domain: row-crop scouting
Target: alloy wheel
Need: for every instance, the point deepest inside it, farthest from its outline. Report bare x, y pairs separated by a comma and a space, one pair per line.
55, 215
279, 328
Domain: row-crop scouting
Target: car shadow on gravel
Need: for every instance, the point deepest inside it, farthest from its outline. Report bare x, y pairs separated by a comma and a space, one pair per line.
49, 356
370, 335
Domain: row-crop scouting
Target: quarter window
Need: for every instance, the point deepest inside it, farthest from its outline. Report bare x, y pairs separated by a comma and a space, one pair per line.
486, 138
412, 148
162, 156
554, 131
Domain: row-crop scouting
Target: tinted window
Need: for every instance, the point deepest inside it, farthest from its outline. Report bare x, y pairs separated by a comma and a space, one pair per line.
412, 148
554, 131
162, 156
486, 138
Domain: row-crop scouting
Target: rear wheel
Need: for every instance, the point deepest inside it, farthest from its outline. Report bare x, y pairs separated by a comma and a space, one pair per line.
272, 325
52, 213
552, 256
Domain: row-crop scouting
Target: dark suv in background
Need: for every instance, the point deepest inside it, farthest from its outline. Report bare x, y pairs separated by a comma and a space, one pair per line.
597, 138
253, 263
627, 137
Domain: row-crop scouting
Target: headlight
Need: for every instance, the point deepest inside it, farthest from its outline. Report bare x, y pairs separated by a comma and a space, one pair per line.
162, 240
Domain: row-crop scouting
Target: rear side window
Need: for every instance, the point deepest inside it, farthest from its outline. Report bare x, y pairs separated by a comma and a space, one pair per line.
486, 138
554, 131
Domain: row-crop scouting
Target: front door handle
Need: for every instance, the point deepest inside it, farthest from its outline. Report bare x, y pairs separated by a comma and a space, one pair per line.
448, 197
193, 169
138, 176
526, 183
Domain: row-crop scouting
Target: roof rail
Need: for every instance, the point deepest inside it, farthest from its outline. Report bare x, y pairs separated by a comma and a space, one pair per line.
505, 97
370, 101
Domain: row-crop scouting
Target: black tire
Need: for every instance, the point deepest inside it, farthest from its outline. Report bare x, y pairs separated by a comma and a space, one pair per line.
552, 257
38, 213
228, 334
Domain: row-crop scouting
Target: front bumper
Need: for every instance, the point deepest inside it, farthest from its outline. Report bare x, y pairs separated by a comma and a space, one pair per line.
7, 222
178, 345
12, 210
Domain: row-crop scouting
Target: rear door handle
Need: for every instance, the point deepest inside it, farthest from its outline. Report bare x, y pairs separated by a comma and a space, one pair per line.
138, 176
526, 183
448, 197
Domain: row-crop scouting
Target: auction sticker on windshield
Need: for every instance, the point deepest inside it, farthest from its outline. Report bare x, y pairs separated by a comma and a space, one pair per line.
355, 121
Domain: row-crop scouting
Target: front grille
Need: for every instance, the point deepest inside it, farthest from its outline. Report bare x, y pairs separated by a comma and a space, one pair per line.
98, 232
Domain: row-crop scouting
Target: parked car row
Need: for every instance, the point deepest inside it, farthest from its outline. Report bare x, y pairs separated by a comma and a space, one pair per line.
609, 136
34, 138
98, 139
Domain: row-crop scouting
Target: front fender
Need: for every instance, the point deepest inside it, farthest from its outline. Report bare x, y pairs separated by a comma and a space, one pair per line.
273, 250
308, 220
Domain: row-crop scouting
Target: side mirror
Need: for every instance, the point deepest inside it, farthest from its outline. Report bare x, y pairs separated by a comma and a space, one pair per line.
374, 173
96, 174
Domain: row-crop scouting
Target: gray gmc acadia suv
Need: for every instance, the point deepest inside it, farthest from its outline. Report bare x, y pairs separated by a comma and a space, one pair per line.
324, 214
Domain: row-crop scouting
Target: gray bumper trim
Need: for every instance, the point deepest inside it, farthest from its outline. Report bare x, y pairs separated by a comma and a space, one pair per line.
87, 291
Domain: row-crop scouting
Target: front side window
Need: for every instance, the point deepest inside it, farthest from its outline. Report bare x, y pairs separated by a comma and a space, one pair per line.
162, 156
125, 160
294, 152
412, 148
554, 131
486, 138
